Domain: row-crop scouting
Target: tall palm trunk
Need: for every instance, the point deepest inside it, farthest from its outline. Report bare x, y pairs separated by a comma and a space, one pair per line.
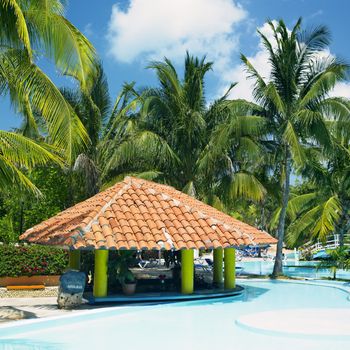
263, 217
344, 223
21, 217
277, 269
341, 229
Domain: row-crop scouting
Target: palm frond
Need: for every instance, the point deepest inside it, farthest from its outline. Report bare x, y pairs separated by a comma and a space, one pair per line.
190, 189
17, 153
330, 214
303, 226
71, 51
143, 145
299, 203
247, 186
272, 94
324, 80
65, 129
14, 28
292, 139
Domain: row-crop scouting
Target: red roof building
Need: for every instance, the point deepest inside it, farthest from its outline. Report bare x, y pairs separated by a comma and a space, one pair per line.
139, 215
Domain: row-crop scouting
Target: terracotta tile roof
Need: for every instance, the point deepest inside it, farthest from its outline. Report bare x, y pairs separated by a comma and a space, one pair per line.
139, 214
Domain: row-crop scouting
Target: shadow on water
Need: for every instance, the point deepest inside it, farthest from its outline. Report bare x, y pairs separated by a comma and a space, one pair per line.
249, 294
252, 292
28, 344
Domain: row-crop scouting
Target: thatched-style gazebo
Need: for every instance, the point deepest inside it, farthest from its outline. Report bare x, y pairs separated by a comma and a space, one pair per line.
137, 214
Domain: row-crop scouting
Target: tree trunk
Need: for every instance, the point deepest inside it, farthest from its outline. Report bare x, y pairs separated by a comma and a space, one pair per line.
341, 233
344, 223
21, 217
263, 219
277, 269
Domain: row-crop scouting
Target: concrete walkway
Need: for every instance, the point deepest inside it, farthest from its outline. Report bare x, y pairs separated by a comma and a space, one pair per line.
12, 309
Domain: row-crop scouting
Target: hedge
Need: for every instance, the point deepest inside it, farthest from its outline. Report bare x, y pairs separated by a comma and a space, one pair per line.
31, 260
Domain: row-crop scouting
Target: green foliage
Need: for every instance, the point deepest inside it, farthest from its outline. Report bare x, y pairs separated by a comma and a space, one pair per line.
339, 258
122, 265
171, 131
31, 260
39, 27
295, 104
92, 109
42, 24
324, 206
18, 151
20, 210
55, 187
7, 231
236, 155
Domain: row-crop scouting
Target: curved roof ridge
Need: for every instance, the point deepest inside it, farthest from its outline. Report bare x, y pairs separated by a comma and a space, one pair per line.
94, 220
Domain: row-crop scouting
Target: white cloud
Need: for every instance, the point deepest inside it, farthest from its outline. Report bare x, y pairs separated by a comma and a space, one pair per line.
341, 90
315, 14
142, 32
238, 74
88, 30
169, 28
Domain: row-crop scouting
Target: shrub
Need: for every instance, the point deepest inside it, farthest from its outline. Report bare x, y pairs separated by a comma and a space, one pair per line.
7, 231
31, 260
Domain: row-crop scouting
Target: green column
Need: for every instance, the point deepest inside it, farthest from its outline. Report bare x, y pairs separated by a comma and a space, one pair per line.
187, 271
74, 259
100, 273
218, 266
230, 270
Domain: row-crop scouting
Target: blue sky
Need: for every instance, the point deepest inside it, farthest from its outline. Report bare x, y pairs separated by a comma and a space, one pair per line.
129, 33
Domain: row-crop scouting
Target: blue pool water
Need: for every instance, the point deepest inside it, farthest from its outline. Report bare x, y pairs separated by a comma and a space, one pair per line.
191, 325
291, 268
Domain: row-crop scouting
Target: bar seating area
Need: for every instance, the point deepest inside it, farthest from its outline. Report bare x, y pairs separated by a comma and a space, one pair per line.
136, 216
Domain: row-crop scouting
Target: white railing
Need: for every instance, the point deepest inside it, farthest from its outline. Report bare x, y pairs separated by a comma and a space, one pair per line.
332, 243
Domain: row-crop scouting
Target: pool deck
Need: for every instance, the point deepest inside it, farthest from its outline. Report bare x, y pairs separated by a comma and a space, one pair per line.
13, 309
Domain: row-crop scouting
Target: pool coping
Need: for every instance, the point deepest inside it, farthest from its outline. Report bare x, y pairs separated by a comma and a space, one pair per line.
167, 297
310, 281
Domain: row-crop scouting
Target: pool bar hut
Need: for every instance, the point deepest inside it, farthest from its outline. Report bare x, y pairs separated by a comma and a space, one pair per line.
138, 215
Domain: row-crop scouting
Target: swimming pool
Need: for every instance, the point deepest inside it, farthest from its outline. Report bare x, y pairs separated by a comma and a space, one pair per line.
230, 323
291, 268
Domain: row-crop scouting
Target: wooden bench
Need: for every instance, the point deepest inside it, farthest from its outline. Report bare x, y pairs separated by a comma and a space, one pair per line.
31, 287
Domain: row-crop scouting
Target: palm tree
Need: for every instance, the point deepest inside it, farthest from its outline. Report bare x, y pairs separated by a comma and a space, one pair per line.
325, 207
338, 259
92, 110
295, 102
29, 30
168, 132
